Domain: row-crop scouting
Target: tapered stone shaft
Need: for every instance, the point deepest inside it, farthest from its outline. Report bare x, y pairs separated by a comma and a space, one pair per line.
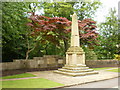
75, 32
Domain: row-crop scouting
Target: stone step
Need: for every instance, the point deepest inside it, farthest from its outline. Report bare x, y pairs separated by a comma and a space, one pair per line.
76, 74
77, 65
75, 68
75, 71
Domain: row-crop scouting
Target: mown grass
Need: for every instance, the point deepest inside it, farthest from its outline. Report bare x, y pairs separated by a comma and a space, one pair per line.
114, 70
101, 68
23, 75
30, 83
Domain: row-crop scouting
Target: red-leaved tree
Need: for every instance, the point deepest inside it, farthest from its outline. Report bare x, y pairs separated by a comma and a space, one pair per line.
57, 29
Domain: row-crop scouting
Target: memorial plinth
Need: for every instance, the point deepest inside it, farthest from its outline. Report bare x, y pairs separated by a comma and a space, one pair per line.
75, 56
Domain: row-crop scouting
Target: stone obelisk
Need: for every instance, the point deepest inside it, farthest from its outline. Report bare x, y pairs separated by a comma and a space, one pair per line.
75, 33
75, 56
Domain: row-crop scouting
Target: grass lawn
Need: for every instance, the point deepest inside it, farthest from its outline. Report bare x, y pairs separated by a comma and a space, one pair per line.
23, 75
101, 68
114, 70
30, 83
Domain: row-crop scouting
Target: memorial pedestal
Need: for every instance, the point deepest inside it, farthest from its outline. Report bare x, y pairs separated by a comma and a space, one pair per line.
75, 63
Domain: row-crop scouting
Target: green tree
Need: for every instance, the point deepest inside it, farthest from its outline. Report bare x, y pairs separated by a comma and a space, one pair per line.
108, 38
14, 29
65, 9
16, 38
57, 29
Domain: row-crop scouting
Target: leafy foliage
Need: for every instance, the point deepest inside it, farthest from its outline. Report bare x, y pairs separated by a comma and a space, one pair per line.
88, 34
108, 36
56, 29
65, 9
18, 39
13, 29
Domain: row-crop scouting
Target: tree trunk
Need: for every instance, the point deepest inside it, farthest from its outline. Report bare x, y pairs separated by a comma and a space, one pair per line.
27, 55
29, 50
65, 45
46, 49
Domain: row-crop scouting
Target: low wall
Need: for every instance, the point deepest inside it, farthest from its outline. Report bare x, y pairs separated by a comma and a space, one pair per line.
102, 63
51, 61
47, 61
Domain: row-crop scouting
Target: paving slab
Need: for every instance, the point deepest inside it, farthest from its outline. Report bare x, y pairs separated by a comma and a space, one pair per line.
69, 80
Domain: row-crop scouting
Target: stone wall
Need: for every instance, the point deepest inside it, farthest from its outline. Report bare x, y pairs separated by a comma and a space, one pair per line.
51, 61
47, 61
102, 63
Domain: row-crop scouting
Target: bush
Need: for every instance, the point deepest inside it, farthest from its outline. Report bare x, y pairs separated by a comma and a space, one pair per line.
117, 57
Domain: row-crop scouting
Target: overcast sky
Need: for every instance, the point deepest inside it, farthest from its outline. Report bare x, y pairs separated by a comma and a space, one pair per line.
103, 11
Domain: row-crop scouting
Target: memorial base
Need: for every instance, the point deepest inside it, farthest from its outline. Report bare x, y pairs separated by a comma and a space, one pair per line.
75, 63
78, 70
